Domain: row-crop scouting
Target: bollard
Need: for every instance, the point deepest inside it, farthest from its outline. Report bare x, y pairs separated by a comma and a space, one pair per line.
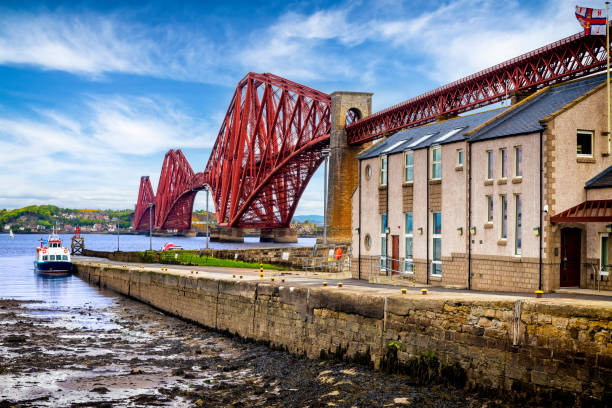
261, 268
404, 291
240, 276
272, 279
282, 279
233, 275
539, 293
424, 291
339, 284
324, 283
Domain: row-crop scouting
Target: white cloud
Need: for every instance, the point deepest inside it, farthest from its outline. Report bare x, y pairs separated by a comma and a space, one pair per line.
94, 159
93, 45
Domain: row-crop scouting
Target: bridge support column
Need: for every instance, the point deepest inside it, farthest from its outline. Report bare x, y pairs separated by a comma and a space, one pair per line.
222, 234
280, 235
343, 166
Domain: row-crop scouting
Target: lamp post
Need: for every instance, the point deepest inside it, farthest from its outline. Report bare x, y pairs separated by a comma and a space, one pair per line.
325, 154
207, 189
150, 227
116, 220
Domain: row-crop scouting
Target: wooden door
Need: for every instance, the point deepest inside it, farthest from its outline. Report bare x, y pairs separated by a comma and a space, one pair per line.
570, 257
395, 254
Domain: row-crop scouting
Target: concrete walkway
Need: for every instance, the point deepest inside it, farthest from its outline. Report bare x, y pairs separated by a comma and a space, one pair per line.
583, 297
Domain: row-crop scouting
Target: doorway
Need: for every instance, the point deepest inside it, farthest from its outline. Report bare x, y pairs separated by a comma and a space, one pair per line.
395, 254
570, 257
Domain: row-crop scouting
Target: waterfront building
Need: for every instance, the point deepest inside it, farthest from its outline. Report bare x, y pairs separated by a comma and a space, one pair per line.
509, 199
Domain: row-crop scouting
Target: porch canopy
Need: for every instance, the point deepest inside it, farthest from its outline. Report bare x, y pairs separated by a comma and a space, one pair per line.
587, 211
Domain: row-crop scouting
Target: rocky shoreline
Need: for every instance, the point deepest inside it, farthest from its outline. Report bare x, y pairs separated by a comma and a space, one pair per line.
129, 354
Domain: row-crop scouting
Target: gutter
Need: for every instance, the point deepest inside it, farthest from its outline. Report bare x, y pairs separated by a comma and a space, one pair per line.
541, 209
359, 226
469, 197
427, 218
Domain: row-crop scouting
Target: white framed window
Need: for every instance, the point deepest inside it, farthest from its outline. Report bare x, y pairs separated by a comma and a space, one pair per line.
436, 244
489, 164
383, 242
459, 157
383, 170
408, 261
503, 157
489, 208
518, 161
604, 248
504, 216
518, 230
584, 143
436, 163
368, 172
409, 166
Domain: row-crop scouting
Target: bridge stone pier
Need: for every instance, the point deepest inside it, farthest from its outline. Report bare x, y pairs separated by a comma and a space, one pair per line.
279, 235
343, 166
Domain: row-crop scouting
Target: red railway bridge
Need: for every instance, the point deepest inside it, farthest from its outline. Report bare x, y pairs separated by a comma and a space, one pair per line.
275, 132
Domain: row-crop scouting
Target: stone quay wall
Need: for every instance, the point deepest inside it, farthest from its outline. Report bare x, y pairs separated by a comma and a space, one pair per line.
529, 346
298, 256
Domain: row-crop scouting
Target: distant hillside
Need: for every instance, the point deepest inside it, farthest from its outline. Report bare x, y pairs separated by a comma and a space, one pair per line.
317, 219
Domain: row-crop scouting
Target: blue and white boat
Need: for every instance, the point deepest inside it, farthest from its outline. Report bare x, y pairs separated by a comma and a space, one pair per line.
52, 257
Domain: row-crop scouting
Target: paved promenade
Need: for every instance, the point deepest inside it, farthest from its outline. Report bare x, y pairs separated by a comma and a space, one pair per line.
575, 297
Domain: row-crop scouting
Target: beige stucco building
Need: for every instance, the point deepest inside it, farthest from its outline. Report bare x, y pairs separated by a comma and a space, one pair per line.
480, 201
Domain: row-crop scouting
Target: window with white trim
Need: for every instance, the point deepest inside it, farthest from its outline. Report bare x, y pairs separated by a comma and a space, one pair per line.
518, 161
383, 241
584, 143
409, 166
489, 208
383, 170
408, 261
518, 236
436, 244
459, 157
489, 164
436, 163
504, 216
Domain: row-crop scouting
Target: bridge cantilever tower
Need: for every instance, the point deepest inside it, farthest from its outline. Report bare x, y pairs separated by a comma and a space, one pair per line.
274, 132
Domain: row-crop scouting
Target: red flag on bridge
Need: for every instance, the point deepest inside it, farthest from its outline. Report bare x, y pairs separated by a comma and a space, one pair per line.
593, 20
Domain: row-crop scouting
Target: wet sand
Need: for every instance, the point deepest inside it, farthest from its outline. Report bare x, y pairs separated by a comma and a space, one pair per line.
127, 354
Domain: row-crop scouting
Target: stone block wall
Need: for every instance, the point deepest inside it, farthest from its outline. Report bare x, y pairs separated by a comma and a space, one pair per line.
297, 255
531, 345
511, 274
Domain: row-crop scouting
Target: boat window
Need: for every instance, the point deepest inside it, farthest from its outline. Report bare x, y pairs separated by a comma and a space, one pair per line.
52, 257
65, 257
45, 257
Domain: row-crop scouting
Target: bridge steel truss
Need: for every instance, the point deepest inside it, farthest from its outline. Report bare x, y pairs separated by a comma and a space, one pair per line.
571, 57
269, 146
271, 139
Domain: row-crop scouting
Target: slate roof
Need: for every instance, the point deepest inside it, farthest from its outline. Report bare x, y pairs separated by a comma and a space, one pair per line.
602, 180
438, 129
525, 118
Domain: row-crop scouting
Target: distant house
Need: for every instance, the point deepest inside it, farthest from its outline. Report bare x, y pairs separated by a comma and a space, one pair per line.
504, 200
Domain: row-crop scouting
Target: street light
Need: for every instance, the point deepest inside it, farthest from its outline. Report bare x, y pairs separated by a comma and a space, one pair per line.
207, 189
325, 154
116, 220
150, 226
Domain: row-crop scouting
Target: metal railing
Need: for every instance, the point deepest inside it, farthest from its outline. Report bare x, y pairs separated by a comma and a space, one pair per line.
329, 263
392, 267
600, 272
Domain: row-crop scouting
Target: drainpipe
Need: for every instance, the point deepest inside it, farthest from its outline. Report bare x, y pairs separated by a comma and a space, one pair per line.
469, 197
359, 226
387, 212
541, 210
427, 218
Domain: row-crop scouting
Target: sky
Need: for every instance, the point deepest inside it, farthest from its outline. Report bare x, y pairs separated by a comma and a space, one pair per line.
93, 94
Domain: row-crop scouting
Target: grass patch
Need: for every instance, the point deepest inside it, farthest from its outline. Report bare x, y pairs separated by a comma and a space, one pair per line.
189, 258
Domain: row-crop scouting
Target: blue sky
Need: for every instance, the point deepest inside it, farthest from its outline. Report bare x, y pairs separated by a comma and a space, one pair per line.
92, 94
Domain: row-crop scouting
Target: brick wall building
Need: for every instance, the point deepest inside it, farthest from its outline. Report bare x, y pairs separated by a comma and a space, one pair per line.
481, 200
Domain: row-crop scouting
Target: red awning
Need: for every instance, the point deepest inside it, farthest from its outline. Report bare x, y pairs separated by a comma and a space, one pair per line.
588, 211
